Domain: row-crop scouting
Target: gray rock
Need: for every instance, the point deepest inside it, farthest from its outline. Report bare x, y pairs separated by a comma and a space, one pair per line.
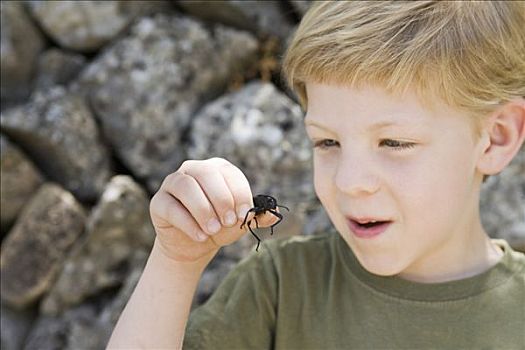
57, 67
301, 6
317, 221
39, 337
264, 18
15, 326
117, 226
34, 250
261, 131
502, 206
84, 334
20, 45
89, 325
76, 329
19, 181
108, 317
58, 132
145, 88
122, 212
88, 25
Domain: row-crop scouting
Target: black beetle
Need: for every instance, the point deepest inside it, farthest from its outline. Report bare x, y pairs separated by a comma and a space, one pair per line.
263, 203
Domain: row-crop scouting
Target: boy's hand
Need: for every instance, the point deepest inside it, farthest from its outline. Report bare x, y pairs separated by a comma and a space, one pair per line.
200, 208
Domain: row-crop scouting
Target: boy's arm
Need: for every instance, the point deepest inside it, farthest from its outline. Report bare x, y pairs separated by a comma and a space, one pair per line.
156, 314
185, 213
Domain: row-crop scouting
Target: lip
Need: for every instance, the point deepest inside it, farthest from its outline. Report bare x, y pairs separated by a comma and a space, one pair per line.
363, 232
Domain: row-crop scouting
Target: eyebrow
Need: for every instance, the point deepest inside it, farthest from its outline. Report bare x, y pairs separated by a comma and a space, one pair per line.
311, 123
379, 125
386, 123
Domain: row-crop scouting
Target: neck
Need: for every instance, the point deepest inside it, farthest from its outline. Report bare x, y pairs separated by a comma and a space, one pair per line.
473, 259
461, 256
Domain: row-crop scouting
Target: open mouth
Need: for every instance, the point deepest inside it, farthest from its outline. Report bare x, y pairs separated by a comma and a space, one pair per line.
367, 229
372, 223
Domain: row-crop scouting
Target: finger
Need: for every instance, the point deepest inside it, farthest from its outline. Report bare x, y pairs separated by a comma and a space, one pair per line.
268, 218
188, 191
168, 211
217, 191
240, 189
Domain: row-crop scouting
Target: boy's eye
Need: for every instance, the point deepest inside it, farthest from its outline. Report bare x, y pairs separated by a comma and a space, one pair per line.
325, 143
397, 145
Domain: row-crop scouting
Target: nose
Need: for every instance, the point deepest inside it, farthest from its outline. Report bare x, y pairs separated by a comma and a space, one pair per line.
356, 177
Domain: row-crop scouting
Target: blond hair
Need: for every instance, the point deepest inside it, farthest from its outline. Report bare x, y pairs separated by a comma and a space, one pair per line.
469, 54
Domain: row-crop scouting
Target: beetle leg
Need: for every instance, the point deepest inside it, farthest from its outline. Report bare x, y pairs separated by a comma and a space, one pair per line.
280, 219
254, 235
246, 217
256, 222
282, 206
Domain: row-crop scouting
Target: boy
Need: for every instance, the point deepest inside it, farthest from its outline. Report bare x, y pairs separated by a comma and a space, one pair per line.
409, 106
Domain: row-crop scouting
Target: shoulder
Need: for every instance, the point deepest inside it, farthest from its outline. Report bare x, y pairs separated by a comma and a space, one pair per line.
509, 273
517, 263
512, 260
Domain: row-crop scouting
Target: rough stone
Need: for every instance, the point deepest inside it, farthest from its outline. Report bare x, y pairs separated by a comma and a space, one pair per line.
33, 252
76, 329
19, 181
117, 226
89, 325
502, 208
88, 25
57, 67
301, 6
263, 18
57, 130
145, 88
15, 326
261, 131
20, 43
108, 317
317, 221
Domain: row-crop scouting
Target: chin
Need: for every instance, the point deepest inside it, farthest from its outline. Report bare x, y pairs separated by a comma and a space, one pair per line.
382, 267
382, 270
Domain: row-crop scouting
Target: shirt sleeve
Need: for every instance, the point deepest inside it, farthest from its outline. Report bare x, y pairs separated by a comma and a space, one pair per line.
241, 313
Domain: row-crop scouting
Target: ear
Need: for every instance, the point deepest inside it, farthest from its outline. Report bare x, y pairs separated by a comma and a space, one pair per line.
503, 135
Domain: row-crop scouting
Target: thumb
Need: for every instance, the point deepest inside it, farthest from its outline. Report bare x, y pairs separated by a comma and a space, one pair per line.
267, 218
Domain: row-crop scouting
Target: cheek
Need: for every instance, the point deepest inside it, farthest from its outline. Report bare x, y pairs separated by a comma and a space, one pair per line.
324, 174
434, 189
324, 171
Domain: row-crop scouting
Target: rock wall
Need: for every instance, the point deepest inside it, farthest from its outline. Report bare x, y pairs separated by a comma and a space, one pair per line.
100, 101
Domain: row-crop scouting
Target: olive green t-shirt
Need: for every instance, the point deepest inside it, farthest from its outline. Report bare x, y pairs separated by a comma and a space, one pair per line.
312, 293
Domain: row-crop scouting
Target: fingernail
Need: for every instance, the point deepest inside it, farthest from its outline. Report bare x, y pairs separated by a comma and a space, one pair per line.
202, 237
230, 218
214, 226
243, 209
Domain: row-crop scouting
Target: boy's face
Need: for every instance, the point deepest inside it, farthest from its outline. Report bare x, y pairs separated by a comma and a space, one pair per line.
386, 158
